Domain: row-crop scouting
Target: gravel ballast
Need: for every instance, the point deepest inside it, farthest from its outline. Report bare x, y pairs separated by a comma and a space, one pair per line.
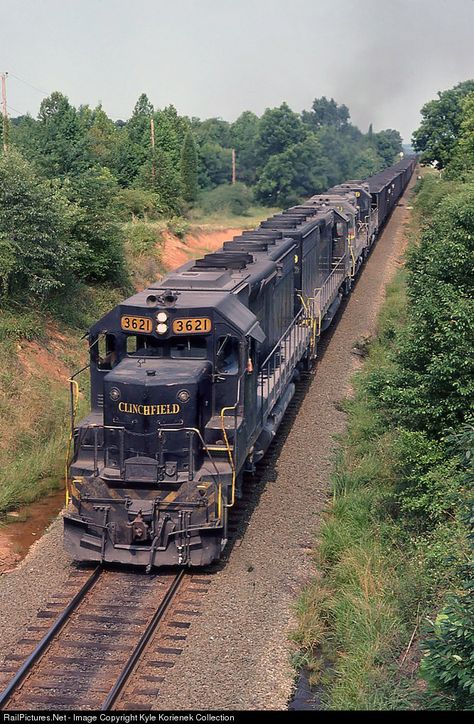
237, 656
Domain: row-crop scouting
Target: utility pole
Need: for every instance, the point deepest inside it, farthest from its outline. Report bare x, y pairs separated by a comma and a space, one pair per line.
4, 111
233, 166
152, 133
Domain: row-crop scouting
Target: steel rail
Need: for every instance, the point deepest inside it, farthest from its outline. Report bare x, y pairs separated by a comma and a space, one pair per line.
48, 638
144, 639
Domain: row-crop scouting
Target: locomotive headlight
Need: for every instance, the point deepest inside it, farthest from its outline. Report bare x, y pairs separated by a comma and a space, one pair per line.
162, 328
114, 394
183, 396
161, 317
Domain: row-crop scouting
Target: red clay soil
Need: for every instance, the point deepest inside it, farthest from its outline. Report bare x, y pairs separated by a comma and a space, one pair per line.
178, 251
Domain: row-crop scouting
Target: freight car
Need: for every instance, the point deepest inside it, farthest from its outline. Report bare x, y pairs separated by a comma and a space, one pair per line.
191, 378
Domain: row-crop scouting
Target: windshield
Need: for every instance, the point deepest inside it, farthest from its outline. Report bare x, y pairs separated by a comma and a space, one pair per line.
190, 347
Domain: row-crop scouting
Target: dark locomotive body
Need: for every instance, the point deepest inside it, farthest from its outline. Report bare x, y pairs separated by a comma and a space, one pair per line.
190, 378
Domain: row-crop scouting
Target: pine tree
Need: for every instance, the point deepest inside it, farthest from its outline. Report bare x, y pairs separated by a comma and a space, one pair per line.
189, 168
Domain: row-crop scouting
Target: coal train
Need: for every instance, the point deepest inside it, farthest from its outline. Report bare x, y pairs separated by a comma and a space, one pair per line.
191, 377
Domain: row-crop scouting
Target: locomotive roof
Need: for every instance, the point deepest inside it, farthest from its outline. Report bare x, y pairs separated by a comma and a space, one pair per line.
226, 305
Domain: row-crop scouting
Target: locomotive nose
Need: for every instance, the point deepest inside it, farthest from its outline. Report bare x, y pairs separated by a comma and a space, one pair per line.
144, 395
149, 405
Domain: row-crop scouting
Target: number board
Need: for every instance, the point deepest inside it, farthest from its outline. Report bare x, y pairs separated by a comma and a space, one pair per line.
137, 324
192, 325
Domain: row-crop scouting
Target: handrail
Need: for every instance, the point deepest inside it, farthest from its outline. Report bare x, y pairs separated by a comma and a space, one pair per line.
74, 402
285, 333
232, 458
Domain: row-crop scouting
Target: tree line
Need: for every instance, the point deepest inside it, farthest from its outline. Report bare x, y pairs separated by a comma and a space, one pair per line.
72, 174
430, 394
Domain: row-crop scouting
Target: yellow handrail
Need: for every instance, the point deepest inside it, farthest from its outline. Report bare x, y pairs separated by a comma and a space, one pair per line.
229, 452
75, 401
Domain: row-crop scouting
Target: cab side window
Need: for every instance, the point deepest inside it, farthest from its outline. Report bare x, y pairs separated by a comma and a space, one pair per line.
227, 355
104, 351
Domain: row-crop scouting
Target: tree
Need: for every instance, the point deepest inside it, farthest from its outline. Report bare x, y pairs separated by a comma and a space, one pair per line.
366, 163
388, 144
279, 129
326, 113
292, 175
61, 145
437, 135
125, 158
463, 153
103, 137
244, 133
38, 254
434, 387
139, 124
95, 226
214, 165
189, 168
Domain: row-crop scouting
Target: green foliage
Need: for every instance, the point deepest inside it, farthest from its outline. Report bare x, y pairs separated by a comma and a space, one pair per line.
291, 175
279, 129
226, 199
326, 112
178, 226
129, 203
61, 144
449, 661
244, 132
438, 133
189, 168
215, 165
38, 252
388, 144
433, 385
462, 163
141, 237
95, 226
448, 664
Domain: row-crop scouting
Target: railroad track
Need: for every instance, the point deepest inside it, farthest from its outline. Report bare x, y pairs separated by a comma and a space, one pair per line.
111, 645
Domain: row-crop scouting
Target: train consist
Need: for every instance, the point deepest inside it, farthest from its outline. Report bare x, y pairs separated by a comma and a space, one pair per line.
191, 378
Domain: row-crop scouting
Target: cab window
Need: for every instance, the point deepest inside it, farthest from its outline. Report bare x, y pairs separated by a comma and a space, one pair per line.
227, 355
192, 347
105, 351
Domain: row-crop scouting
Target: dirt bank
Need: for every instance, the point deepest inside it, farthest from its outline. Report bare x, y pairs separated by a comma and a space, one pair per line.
179, 251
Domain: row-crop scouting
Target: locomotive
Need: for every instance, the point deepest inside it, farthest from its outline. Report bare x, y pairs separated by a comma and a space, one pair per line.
191, 377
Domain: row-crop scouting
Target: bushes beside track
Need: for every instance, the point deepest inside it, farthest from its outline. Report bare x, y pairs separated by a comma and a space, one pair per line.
395, 549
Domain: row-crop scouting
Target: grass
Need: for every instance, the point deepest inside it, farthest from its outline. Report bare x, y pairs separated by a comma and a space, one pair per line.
225, 220
356, 619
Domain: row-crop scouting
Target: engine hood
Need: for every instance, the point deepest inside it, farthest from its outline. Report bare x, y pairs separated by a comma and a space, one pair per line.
144, 394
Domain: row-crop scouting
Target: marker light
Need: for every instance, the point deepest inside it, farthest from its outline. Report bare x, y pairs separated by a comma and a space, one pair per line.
161, 317
162, 328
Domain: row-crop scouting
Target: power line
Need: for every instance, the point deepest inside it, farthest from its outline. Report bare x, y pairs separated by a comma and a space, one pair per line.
40, 90
16, 110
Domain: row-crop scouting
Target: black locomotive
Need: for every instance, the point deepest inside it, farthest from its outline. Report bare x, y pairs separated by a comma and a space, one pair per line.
190, 378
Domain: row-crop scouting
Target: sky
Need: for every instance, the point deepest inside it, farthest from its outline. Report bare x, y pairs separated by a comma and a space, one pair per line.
382, 58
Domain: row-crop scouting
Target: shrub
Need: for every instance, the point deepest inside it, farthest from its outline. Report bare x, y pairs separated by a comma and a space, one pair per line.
448, 664
137, 203
38, 252
96, 227
178, 226
234, 199
141, 237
